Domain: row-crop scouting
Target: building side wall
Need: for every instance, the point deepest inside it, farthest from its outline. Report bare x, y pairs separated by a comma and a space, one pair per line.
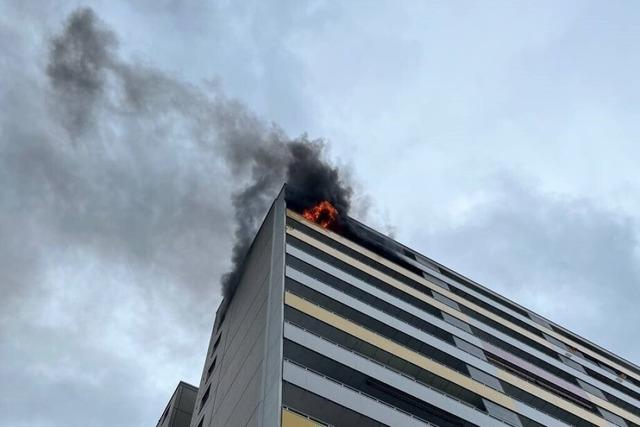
250, 340
433, 350
272, 379
180, 407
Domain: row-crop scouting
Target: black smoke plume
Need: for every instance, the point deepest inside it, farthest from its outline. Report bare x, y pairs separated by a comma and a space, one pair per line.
120, 189
310, 179
96, 95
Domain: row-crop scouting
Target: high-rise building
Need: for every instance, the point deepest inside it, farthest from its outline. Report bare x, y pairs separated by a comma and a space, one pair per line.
178, 411
350, 328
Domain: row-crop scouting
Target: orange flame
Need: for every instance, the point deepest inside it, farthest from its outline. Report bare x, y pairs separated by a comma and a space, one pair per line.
323, 214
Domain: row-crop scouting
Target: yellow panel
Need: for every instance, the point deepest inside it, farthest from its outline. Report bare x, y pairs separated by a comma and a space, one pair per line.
437, 288
396, 349
453, 312
389, 280
432, 366
291, 419
503, 374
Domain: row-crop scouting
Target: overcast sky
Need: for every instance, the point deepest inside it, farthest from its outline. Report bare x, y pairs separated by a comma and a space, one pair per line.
499, 138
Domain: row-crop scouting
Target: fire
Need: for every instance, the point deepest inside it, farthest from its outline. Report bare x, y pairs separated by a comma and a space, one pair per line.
323, 214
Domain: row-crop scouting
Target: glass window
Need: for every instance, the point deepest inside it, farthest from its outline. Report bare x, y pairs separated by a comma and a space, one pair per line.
502, 413
539, 320
575, 365
556, 341
591, 389
205, 397
469, 348
446, 300
426, 262
484, 378
440, 283
613, 418
607, 368
216, 344
211, 368
456, 322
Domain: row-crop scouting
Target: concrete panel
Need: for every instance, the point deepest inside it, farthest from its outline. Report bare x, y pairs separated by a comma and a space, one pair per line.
244, 405
272, 373
251, 335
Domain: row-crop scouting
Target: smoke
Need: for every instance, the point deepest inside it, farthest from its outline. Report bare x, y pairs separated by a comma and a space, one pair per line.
309, 179
136, 167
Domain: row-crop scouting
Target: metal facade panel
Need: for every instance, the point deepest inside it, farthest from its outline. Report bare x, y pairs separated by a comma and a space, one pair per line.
248, 358
461, 300
390, 320
449, 310
291, 419
397, 349
387, 376
346, 397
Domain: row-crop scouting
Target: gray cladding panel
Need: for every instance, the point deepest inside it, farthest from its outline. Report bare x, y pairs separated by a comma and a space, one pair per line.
347, 397
248, 357
272, 374
387, 376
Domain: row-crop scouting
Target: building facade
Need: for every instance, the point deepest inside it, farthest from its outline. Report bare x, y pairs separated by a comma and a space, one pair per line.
179, 410
334, 329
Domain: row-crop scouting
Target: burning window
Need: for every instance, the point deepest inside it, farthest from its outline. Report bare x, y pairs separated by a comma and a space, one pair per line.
323, 214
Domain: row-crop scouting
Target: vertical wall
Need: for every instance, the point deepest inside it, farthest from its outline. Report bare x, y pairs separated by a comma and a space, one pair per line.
272, 374
180, 407
241, 380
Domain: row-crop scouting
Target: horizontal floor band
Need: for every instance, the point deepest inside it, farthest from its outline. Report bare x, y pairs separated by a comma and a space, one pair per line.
348, 397
453, 296
426, 363
292, 419
441, 290
401, 381
507, 376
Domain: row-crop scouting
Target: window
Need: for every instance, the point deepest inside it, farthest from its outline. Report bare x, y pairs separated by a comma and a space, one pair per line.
556, 342
575, 365
484, 378
595, 349
211, 368
456, 322
469, 348
446, 300
607, 368
591, 389
612, 418
539, 320
427, 262
537, 380
216, 344
356, 292
502, 413
438, 282
205, 397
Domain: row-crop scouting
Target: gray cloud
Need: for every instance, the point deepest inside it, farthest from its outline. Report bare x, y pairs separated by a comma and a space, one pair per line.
566, 258
122, 186
116, 211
